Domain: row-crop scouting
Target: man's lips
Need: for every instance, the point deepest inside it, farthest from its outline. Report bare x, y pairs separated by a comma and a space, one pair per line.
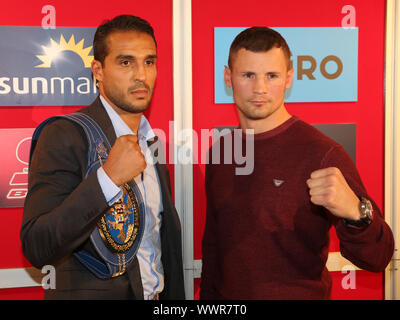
258, 102
139, 92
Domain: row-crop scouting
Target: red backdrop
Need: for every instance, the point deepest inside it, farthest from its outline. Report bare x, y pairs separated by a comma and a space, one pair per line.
76, 13
367, 112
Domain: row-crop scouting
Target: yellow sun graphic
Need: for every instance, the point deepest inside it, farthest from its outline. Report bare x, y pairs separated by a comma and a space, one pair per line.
52, 51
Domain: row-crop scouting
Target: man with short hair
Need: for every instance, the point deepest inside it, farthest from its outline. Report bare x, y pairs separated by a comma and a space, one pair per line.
113, 232
267, 233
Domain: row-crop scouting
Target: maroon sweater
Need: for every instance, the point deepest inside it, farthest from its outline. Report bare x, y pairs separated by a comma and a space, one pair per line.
263, 241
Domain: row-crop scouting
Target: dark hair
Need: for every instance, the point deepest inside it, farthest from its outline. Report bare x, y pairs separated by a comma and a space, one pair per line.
119, 23
258, 39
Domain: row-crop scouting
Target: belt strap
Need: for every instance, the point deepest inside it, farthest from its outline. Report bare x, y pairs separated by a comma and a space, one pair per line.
112, 264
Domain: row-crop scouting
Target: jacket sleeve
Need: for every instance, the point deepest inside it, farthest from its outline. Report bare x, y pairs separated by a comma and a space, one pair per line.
370, 247
61, 208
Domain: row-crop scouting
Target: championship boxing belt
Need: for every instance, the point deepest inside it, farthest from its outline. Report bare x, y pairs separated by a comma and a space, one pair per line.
118, 233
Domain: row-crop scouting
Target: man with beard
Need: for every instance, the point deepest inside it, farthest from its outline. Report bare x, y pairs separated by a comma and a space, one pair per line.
113, 233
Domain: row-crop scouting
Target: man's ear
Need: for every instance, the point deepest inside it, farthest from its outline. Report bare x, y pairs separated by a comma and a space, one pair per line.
289, 78
97, 70
228, 77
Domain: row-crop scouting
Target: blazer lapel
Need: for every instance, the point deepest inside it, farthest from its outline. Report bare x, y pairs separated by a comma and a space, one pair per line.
162, 172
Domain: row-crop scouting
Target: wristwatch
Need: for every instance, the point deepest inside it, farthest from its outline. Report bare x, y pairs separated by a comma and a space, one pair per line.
366, 212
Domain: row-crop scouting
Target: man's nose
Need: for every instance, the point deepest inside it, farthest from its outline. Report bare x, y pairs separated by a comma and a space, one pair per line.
140, 74
261, 85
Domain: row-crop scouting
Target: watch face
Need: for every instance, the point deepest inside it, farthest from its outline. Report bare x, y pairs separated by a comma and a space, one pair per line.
365, 208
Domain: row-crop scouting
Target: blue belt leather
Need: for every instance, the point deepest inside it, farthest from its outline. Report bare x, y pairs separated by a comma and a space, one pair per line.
110, 265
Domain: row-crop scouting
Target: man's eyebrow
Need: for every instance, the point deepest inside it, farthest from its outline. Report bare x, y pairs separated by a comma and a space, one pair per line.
130, 57
254, 72
125, 56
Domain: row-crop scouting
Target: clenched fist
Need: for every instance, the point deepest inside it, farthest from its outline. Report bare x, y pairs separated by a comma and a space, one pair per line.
125, 160
328, 188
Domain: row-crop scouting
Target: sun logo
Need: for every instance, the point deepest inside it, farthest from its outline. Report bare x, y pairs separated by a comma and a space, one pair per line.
53, 51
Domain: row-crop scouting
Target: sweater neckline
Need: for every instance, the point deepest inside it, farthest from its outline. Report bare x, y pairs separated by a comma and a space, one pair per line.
279, 129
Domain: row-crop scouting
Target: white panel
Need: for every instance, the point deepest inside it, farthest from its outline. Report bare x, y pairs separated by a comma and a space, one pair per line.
20, 277
392, 141
182, 44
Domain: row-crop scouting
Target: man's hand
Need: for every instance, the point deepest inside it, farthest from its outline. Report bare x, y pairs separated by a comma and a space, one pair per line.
328, 188
125, 160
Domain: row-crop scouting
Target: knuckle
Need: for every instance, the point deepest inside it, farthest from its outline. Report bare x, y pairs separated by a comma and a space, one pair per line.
335, 170
330, 197
331, 179
315, 200
330, 191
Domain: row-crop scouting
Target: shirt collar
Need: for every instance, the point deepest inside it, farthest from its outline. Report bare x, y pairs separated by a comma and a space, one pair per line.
145, 132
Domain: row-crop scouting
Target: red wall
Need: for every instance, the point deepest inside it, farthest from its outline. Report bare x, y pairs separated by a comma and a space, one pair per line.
74, 13
367, 112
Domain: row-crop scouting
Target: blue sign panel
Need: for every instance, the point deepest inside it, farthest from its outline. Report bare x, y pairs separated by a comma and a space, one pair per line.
46, 67
325, 62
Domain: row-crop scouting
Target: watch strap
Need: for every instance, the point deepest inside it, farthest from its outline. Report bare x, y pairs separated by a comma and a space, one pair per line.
366, 211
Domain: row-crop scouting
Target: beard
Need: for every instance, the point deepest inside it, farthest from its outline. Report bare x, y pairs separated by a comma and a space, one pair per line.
120, 99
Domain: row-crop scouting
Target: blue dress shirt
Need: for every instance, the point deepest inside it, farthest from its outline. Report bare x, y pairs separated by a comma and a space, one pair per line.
149, 253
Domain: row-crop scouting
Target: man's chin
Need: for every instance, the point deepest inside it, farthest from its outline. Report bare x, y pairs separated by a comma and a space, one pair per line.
135, 108
256, 115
